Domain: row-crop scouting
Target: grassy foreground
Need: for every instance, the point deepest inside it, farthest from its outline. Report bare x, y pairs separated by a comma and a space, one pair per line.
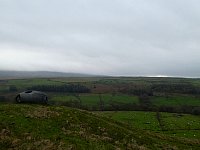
181, 125
25, 126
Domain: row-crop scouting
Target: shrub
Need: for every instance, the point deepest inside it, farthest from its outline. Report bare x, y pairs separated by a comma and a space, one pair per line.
196, 111
12, 88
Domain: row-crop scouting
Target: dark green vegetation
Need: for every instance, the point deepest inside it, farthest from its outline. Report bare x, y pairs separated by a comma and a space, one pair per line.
50, 127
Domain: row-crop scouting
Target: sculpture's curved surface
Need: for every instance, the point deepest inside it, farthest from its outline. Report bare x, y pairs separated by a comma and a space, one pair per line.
32, 96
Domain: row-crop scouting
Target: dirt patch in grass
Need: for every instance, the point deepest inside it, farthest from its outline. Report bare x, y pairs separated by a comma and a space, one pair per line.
43, 113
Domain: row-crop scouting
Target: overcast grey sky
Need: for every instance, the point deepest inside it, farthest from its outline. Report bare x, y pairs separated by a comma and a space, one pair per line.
110, 37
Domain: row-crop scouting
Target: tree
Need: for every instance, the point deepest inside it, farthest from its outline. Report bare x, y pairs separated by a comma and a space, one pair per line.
144, 99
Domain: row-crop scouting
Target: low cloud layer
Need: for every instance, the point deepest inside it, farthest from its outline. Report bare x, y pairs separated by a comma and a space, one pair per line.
140, 37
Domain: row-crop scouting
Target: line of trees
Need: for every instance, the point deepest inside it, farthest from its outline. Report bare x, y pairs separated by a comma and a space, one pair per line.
181, 88
70, 88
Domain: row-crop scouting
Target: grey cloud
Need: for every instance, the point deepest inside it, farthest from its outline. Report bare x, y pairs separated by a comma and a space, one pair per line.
140, 37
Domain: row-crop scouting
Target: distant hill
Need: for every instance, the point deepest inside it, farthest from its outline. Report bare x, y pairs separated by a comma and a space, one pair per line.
39, 74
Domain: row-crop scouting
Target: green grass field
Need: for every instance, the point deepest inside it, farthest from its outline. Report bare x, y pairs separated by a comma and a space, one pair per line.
178, 100
62, 98
49, 127
93, 99
183, 125
143, 120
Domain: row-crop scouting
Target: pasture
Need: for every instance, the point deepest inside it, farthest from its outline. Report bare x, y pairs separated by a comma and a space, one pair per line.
173, 124
25, 126
93, 100
122, 96
176, 100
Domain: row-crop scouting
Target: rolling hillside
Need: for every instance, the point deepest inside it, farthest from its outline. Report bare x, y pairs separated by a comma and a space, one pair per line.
38, 74
25, 126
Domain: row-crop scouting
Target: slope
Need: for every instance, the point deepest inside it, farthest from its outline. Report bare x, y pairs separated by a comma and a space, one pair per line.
25, 126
